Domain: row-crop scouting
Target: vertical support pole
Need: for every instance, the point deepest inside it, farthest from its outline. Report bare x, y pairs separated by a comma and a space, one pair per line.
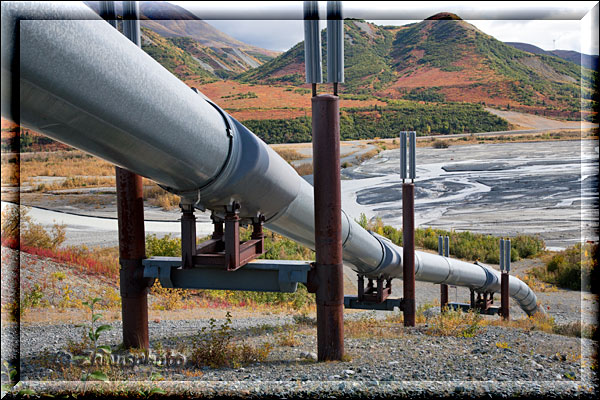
335, 44
413, 152
403, 162
134, 291
443, 286
130, 210
217, 228
328, 227
312, 45
408, 256
257, 231
188, 235
504, 279
232, 237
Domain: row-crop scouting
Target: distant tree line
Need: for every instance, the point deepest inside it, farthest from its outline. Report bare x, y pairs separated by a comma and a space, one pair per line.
386, 122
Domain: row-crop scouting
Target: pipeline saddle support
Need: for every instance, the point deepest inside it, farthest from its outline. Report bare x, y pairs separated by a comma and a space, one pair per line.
224, 248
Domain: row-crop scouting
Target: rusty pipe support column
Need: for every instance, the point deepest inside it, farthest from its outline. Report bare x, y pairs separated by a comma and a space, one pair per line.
188, 235
408, 253
132, 241
443, 297
132, 250
504, 296
328, 273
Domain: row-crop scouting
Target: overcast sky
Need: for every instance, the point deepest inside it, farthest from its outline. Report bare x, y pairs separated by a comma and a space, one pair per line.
278, 25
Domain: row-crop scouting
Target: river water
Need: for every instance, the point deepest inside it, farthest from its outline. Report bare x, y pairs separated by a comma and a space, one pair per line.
548, 189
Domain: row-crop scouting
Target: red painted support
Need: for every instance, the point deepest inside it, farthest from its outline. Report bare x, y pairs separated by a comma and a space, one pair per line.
408, 256
504, 296
443, 297
132, 250
328, 271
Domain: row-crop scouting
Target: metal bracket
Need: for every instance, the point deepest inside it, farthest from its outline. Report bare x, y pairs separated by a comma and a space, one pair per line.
258, 275
386, 305
373, 294
224, 248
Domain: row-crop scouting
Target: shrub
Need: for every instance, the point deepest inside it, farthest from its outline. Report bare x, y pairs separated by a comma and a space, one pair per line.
455, 323
440, 144
165, 246
570, 267
15, 221
215, 347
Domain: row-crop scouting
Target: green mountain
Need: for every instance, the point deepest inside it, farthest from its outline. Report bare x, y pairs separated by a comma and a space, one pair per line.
443, 58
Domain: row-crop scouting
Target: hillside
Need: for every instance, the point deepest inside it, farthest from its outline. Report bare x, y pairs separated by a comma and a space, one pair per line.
443, 60
585, 60
211, 50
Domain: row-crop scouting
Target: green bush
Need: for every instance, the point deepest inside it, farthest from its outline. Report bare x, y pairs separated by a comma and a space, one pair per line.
165, 246
16, 223
571, 267
465, 245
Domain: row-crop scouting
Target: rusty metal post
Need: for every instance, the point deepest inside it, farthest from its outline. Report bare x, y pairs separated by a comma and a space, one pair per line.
408, 257
132, 246
443, 297
328, 227
443, 287
132, 250
232, 237
504, 296
188, 235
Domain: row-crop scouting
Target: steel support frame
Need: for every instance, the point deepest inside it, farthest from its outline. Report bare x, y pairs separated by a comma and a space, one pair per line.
374, 294
224, 247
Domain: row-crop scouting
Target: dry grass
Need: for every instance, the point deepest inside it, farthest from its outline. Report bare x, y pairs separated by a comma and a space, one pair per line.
159, 197
78, 182
367, 155
455, 323
386, 144
363, 328
543, 322
304, 169
288, 339
10, 169
289, 154
64, 163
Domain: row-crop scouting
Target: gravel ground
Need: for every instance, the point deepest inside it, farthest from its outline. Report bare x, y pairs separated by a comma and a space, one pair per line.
499, 361
410, 363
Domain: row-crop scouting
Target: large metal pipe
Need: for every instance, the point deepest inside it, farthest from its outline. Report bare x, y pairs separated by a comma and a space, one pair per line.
84, 84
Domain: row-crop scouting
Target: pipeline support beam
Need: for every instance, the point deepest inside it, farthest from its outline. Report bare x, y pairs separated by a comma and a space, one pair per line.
132, 251
328, 228
408, 259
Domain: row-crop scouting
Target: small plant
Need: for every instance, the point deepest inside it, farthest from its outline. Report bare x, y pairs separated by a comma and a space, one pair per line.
455, 323
502, 345
96, 351
214, 347
31, 298
288, 339
59, 276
